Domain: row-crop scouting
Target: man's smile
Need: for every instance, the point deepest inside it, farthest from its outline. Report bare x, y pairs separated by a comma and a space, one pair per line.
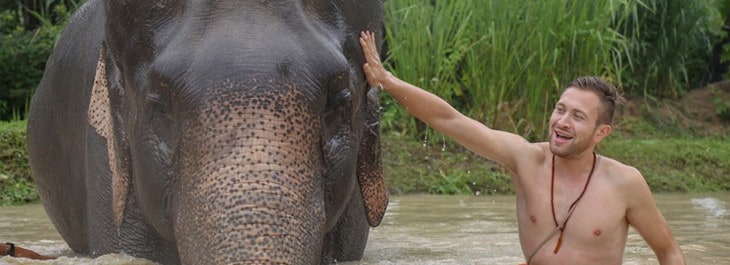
561, 137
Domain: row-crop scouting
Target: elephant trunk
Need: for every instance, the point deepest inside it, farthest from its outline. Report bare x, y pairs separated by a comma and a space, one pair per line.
250, 188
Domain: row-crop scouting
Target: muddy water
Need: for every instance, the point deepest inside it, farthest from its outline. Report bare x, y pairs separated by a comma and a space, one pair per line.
437, 230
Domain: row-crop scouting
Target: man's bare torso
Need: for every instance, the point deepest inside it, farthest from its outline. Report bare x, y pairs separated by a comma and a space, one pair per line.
597, 230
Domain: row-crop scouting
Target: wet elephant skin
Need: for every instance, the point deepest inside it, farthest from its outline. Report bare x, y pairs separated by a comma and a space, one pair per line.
211, 132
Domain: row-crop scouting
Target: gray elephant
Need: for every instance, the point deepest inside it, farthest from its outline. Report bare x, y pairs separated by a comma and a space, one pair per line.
211, 132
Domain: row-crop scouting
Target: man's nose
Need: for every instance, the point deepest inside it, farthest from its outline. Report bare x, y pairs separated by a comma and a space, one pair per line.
563, 121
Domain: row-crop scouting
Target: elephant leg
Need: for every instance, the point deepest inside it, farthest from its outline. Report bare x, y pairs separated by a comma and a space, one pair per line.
347, 240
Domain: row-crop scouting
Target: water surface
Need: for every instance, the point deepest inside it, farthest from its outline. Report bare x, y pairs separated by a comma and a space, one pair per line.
424, 229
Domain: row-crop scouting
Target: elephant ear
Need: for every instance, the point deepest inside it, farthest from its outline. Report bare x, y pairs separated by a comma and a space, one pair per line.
369, 163
99, 116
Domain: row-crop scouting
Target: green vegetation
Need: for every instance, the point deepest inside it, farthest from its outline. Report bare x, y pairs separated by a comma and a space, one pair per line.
669, 45
413, 166
720, 102
504, 62
668, 165
16, 183
673, 164
24, 52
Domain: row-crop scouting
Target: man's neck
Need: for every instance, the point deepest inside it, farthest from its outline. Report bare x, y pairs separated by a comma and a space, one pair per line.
574, 166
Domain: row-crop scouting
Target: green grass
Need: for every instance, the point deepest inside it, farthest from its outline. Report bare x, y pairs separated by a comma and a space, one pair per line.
676, 164
16, 182
439, 167
670, 164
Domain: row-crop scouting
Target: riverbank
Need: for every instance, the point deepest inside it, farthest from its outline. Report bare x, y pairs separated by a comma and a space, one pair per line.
669, 164
435, 165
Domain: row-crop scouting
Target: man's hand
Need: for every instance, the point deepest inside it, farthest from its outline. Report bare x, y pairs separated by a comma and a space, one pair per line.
373, 68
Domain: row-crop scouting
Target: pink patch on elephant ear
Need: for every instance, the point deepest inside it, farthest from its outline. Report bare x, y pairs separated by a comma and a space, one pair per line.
100, 118
369, 164
374, 193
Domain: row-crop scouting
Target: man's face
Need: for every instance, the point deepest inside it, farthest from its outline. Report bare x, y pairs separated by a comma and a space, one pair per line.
573, 128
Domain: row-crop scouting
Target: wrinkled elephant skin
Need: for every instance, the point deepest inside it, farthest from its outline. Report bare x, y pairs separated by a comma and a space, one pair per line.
211, 132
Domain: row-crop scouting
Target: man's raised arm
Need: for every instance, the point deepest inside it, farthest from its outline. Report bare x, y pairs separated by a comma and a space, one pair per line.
501, 147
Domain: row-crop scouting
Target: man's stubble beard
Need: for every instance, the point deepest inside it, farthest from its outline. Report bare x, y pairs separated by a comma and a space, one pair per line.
572, 149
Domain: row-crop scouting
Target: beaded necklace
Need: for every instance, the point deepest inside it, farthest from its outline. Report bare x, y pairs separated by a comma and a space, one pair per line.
572, 205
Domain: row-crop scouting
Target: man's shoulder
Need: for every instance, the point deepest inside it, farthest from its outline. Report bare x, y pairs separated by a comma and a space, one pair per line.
543, 146
614, 164
540, 150
620, 172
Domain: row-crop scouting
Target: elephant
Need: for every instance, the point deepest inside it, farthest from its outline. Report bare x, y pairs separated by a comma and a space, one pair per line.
211, 132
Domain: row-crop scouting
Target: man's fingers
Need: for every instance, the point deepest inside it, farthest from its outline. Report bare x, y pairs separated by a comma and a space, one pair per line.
372, 67
366, 69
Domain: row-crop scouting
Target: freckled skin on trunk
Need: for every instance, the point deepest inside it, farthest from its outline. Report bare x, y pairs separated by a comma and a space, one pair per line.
251, 171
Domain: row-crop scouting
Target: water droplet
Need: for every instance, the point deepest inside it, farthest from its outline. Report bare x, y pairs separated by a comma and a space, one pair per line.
443, 143
425, 139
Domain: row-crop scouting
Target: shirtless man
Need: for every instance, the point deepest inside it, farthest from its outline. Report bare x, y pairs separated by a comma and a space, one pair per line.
573, 207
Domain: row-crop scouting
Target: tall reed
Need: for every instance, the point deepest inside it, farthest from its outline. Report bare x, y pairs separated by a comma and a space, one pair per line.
427, 45
502, 62
671, 45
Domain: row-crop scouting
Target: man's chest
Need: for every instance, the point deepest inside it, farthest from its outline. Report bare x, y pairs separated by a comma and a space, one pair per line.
596, 220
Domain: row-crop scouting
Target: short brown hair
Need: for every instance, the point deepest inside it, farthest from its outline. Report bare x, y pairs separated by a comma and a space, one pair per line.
607, 94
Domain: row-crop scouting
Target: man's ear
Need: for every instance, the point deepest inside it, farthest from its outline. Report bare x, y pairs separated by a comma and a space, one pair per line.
602, 131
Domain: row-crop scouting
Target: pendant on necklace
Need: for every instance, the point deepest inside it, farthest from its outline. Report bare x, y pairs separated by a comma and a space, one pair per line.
560, 242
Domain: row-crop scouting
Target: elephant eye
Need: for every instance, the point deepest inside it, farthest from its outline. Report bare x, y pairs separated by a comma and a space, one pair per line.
340, 99
339, 104
339, 95
159, 117
155, 102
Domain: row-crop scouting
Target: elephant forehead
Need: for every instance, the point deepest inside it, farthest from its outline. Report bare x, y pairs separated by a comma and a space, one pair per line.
256, 61
281, 41
243, 117
253, 98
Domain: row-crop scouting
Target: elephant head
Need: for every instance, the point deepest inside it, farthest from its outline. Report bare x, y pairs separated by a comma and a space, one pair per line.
237, 131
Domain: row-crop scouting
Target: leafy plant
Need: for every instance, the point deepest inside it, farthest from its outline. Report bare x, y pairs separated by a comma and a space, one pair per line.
23, 55
671, 42
16, 182
721, 104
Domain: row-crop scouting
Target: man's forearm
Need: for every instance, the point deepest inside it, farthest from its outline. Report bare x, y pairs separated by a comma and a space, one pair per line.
672, 258
426, 106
